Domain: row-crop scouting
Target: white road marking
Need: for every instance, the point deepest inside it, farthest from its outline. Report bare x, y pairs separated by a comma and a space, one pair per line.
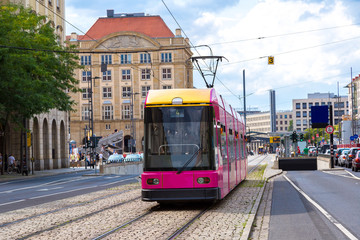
352, 174
115, 182
48, 189
62, 192
323, 211
12, 202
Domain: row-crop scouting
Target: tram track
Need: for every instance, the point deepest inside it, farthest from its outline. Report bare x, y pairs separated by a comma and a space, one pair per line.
78, 218
257, 164
64, 208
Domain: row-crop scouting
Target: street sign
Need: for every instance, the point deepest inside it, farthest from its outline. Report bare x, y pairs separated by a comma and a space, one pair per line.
271, 60
329, 129
356, 136
352, 143
352, 138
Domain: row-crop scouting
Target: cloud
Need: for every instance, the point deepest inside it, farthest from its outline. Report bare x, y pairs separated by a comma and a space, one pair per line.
297, 59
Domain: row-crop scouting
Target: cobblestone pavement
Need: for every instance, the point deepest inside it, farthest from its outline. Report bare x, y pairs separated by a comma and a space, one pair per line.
88, 216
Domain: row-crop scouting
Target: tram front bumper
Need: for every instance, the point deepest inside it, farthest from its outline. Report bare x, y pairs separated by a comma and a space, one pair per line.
195, 194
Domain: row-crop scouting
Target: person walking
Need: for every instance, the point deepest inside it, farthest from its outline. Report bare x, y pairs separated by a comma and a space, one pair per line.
11, 163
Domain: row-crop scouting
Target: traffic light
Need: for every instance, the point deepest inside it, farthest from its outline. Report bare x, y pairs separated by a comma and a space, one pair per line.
301, 137
293, 137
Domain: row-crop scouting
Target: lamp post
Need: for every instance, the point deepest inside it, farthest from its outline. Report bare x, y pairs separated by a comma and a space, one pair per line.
91, 122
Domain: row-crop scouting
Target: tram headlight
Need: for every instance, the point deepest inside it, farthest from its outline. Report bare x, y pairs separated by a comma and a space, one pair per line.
152, 181
203, 180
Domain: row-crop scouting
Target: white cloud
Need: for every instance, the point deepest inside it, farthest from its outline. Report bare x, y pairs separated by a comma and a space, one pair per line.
296, 59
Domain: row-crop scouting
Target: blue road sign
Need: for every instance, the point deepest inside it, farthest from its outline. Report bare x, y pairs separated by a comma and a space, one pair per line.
356, 136
352, 138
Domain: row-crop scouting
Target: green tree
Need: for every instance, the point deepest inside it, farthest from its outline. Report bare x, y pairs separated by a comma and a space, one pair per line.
36, 72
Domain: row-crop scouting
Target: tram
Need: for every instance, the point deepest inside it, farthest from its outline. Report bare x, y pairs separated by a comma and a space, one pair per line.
194, 146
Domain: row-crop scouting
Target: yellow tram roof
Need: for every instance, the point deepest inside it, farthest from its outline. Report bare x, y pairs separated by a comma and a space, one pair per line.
188, 95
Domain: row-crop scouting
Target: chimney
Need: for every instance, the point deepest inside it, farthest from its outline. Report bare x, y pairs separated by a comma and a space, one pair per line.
178, 32
110, 13
73, 36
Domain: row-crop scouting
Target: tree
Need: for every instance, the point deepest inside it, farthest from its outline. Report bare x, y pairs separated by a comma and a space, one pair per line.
36, 72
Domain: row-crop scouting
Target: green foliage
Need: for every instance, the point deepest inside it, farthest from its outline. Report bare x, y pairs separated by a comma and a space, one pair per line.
35, 71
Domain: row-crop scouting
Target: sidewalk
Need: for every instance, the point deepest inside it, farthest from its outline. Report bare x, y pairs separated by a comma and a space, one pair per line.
13, 176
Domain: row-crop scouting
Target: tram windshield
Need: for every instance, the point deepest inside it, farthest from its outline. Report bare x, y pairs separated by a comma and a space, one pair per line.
179, 138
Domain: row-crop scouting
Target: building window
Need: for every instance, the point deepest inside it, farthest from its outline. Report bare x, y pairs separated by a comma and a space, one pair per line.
298, 114
297, 105
107, 76
144, 90
106, 59
145, 58
281, 122
106, 92
125, 58
323, 103
298, 122
126, 92
107, 112
166, 86
125, 111
126, 74
86, 76
107, 126
285, 116
286, 128
304, 114
310, 105
280, 116
304, 105
290, 116
166, 73
339, 105
85, 113
281, 128
304, 122
58, 4
317, 104
286, 122
85, 60
166, 57
86, 93
145, 74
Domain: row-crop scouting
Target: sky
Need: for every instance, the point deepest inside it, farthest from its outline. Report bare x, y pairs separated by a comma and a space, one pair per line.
315, 44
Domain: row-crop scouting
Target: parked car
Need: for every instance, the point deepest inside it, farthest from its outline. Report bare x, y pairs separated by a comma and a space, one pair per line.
355, 166
338, 153
342, 157
351, 156
327, 152
115, 158
133, 158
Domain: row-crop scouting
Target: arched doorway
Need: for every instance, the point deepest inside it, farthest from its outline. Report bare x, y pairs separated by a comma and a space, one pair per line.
54, 147
36, 144
46, 144
63, 153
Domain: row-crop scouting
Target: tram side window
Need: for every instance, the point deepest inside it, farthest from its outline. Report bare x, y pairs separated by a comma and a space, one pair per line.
223, 145
236, 145
231, 145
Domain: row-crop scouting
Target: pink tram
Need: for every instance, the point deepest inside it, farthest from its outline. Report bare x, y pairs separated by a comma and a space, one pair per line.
194, 146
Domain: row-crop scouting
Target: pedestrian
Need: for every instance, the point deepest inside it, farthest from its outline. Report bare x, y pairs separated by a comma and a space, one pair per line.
11, 162
24, 166
72, 159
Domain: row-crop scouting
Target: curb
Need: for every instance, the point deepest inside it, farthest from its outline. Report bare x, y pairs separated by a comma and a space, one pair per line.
254, 210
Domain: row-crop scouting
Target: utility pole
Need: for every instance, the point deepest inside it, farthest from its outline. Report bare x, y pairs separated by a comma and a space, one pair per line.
331, 138
244, 93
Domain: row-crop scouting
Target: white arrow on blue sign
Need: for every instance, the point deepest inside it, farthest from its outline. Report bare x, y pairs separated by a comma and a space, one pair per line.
356, 136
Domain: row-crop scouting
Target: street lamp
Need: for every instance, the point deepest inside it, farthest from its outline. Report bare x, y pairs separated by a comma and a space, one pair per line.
91, 120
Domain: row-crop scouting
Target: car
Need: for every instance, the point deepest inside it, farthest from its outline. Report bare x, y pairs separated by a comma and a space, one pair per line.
338, 153
327, 152
115, 158
342, 157
133, 158
351, 156
355, 166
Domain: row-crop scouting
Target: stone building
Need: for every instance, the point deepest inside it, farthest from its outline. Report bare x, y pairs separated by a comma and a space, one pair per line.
139, 53
50, 133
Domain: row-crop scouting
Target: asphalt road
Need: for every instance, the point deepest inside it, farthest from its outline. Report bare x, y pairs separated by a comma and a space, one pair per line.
328, 209
19, 194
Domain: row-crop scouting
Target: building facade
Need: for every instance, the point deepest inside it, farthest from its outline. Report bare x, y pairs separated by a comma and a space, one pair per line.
302, 108
50, 131
124, 56
283, 121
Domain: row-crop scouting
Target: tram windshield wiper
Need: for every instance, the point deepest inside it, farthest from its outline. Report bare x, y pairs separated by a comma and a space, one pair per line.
189, 161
